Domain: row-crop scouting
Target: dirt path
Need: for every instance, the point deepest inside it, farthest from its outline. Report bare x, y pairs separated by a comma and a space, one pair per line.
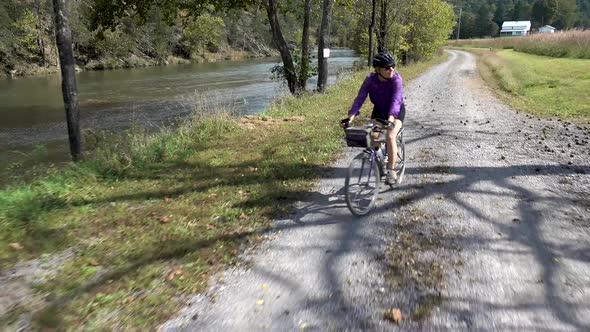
502, 199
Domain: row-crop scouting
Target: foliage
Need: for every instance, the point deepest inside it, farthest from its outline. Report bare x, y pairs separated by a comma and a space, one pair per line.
202, 33
278, 73
429, 32
26, 35
544, 11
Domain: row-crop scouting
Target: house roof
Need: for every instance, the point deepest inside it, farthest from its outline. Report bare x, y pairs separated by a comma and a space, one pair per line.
548, 26
516, 25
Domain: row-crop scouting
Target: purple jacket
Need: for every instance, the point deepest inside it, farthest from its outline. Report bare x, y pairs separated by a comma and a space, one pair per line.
386, 96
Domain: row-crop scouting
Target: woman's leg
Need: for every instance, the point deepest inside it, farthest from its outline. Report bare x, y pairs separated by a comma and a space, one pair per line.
392, 143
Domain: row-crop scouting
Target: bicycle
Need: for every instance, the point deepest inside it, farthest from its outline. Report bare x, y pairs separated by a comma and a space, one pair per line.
365, 171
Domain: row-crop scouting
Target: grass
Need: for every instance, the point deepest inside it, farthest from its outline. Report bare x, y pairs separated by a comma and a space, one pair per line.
538, 84
151, 216
562, 44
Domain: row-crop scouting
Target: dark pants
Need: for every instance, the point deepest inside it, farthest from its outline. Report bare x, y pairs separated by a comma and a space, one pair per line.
378, 115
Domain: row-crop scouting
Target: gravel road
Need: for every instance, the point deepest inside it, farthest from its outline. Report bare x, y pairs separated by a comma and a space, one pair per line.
502, 197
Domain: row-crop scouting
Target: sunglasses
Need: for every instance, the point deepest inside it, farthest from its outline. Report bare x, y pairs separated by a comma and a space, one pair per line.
388, 67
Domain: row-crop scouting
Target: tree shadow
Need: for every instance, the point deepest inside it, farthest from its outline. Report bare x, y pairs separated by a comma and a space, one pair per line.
527, 228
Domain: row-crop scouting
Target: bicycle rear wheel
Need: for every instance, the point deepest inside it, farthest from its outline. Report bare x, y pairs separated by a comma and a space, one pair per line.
400, 165
362, 184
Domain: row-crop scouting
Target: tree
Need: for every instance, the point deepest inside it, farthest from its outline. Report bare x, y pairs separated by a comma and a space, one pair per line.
323, 41
63, 36
371, 33
544, 11
428, 32
566, 17
280, 43
304, 63
486, 25
383, 27
522, 11
503, 10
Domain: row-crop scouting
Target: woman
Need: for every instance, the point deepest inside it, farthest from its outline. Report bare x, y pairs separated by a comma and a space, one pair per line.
384, 87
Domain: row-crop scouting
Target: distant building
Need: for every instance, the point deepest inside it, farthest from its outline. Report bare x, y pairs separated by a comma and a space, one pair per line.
515, 28
546, 29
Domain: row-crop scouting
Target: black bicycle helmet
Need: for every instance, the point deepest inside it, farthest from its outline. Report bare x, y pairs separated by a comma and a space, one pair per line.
383, 59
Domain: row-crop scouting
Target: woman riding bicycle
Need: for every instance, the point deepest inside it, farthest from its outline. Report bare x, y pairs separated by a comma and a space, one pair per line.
384, 87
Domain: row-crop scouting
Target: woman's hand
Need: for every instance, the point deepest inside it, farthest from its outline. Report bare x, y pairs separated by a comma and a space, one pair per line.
345, 123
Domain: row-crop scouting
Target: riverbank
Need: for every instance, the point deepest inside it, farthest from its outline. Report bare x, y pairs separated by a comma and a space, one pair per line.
133, 61
151, 217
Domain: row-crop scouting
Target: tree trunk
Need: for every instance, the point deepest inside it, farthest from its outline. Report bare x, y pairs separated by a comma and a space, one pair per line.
304, 65
323, 41
40, 43
371, 33
281, 44
63, 37
382, 34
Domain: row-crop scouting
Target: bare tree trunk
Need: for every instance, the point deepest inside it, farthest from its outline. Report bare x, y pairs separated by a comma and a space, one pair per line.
322, 43
63, 37
304, 65
371, 33
382, 34
281, 44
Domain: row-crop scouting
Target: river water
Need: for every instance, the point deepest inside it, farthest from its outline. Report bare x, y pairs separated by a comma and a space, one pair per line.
32, 116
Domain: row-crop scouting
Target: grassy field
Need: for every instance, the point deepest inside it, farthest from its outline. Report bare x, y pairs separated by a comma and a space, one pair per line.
545, 86
565, 44
147, 220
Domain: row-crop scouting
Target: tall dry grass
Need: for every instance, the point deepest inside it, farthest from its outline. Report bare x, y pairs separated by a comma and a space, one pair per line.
561, 44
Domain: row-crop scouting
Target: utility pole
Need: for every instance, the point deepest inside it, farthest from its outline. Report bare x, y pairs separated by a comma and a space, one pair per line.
459, 24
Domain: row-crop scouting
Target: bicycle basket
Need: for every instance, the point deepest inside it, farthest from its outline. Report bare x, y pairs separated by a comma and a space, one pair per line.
358, 137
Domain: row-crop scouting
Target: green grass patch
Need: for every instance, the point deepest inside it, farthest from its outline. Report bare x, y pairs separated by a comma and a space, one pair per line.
541, 85
151, 216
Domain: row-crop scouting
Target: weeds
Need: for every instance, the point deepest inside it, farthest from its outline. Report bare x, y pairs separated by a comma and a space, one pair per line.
562, 44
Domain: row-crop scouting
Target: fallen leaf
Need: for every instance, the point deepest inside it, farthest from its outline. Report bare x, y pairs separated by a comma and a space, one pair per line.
93, 262
303, 159
302, 325
394, 315
213, 195
167, 199
243, 216
260, 302
264, 286
165, 220
174, 273
16, 246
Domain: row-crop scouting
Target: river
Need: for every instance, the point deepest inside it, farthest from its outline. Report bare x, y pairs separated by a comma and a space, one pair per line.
32, 116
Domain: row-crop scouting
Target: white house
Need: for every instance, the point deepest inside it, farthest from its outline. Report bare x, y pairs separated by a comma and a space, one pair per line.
515, 28
546, 29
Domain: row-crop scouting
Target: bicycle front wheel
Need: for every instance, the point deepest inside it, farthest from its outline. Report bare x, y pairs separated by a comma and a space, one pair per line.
362, 184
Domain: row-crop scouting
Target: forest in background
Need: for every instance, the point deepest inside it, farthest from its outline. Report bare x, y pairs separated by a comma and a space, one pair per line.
27, 42
483, 18
405, 27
